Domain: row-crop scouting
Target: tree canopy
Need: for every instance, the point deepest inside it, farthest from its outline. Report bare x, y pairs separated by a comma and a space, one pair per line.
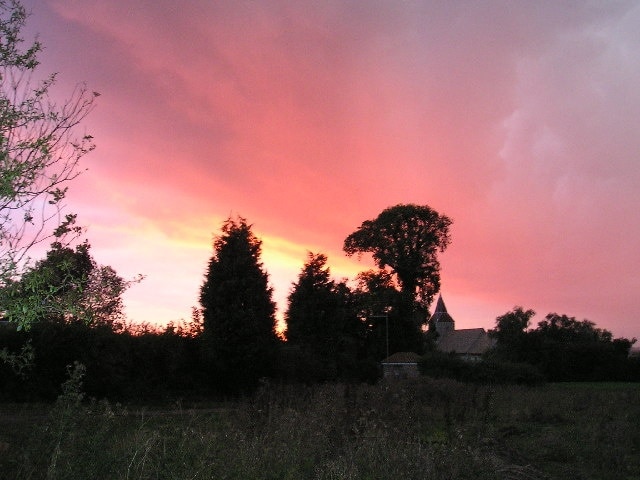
67, 286
40, 149
326, 337
562, 347
406, 238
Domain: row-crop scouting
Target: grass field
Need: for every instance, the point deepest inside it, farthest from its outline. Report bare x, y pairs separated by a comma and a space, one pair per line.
423, 429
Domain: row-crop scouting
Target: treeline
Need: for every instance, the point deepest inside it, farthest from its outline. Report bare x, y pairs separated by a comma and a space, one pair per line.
563, 348
559, 349
336, 331
146, 365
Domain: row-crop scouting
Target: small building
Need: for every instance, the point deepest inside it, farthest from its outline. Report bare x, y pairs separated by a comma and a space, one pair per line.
401, 365
468, 343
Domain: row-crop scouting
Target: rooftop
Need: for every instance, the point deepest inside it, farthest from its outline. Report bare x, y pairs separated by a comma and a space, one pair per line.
469, 341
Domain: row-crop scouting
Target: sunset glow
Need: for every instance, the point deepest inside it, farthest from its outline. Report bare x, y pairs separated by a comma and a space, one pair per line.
516, 119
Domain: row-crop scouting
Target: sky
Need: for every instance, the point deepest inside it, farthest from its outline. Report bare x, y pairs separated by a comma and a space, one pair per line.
517, 119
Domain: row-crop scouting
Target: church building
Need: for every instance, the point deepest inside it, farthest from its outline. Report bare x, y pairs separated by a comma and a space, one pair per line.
468, 343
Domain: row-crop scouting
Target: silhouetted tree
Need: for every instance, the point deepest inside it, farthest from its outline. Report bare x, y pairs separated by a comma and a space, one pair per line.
406, 238
571, 349
310, 317
512, 341
321, 321
567, 329
238, 310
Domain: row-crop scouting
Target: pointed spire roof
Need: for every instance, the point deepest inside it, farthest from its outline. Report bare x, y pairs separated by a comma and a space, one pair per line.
440, 314
440, 308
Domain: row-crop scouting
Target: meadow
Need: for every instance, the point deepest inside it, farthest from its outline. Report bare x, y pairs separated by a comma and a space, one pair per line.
415, 429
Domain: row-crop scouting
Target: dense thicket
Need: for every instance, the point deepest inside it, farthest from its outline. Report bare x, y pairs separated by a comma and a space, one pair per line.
490, 371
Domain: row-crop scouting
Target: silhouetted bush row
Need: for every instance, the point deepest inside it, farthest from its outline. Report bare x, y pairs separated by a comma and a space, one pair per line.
445, 365
118, 365
150, 366
157, 366
563, 348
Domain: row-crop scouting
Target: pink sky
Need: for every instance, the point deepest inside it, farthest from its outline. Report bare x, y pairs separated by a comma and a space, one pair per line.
519, 120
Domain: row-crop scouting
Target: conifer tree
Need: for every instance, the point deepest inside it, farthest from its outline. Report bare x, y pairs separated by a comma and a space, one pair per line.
321, 320
238, 310
312, 304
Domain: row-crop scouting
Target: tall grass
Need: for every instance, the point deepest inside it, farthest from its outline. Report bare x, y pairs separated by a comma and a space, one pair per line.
410, 430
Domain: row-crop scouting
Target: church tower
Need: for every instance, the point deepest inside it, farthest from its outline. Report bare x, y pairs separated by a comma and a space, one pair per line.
441, 319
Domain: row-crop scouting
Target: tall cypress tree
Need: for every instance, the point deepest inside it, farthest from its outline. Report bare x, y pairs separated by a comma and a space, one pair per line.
238, 311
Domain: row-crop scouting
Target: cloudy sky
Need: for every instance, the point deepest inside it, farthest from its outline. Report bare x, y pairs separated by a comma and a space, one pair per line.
517, 119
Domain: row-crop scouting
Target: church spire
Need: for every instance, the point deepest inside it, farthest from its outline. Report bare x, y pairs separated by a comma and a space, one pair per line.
440, 308
441, 318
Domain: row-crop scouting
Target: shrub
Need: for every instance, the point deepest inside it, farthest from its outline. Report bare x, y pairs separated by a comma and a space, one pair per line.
445, 365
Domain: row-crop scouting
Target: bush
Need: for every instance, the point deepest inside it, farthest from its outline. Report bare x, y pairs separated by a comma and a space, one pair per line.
445, 365
119, 365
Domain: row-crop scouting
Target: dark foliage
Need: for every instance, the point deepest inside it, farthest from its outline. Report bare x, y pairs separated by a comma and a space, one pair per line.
298, 365
445, 365
511, 333
325, 336
135, 367
119, 365
406, 238
387, 316
563, 348
316, 308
